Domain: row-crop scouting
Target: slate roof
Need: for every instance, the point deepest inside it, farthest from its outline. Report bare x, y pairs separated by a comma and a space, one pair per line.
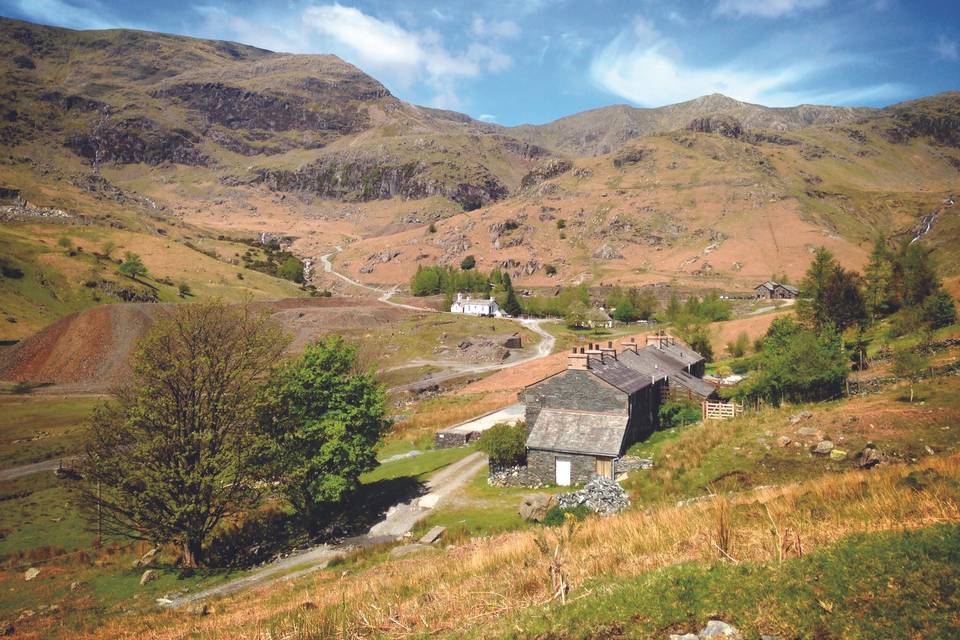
579, 432
697, 385
770, 285
650, 361
653, 361
613, 372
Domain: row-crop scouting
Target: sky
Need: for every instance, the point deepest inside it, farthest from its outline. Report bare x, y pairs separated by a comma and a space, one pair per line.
533, 61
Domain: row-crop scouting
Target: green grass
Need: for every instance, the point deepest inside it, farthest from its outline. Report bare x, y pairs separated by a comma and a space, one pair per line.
38, 511
481, 509
889, 585
35, 428
418, 466
742, 453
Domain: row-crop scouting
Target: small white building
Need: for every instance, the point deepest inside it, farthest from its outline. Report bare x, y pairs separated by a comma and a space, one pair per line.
478, 307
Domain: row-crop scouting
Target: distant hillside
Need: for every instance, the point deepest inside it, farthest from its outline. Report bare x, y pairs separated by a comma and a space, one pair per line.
188, 151
604, 130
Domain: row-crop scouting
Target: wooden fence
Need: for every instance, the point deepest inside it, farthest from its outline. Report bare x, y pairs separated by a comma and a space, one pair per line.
721, 410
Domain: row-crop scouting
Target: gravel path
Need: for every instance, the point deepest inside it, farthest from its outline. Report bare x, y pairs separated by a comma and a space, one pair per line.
28, 469
400, 519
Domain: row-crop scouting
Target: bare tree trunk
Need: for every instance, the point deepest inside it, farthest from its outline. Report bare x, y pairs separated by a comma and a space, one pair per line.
192, 551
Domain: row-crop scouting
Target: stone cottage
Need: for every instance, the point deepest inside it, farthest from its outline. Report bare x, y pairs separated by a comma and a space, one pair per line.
581, 420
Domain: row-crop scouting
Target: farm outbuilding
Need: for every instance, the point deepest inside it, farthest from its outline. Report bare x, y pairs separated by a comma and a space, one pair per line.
771, 290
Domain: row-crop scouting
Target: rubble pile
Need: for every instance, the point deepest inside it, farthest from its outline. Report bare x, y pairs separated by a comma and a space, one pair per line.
600, 495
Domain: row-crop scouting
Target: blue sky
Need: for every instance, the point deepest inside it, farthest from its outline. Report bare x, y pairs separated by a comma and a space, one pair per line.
516, 61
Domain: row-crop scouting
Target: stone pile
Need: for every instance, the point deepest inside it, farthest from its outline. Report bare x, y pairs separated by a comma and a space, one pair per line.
600, 495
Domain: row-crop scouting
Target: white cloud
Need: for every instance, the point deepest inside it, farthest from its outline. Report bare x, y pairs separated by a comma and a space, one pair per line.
487, 117
506, 29
399, 56
85, 16
767, 8
646, 68
947, 49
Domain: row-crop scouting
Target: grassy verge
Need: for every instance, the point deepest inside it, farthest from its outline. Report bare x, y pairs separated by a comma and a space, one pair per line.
480, 509
39, 428
891, 585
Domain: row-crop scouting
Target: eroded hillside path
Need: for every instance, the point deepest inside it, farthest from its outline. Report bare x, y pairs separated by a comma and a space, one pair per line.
398, 521
453, 369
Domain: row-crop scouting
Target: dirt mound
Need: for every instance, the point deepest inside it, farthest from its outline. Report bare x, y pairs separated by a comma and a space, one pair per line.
88, 352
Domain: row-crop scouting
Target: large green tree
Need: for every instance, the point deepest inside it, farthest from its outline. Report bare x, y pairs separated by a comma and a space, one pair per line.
325, 418
176, 449
830, 295
132, 266
798, 364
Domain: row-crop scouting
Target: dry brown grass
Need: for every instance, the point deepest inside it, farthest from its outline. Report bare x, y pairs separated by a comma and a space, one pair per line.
464, 589
438, 413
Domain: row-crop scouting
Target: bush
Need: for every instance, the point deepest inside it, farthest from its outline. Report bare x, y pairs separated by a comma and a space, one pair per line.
557, 516
550, 270
939, 310
738, 348
676, 414
505, 444
291, 269
184, 289
561, 224
468, 263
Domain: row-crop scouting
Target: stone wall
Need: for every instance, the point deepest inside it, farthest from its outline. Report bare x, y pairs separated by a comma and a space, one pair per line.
571, 389
542, 465
451, 439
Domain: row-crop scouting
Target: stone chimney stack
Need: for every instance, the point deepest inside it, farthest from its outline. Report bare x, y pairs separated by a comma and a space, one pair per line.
578, 360
609, 350
629, 345
594, 351
661, 340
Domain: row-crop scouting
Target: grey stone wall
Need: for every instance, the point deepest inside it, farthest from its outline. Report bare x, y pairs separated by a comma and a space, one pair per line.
572, 389
542, 465
451, 439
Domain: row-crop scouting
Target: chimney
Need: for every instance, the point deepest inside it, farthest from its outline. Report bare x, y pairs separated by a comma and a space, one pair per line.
594, 350
660, 340
629, 345
609, 350
578, 360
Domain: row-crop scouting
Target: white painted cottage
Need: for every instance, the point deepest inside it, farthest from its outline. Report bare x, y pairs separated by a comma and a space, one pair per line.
478, 307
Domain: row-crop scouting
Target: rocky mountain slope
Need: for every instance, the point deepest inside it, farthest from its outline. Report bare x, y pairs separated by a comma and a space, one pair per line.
605, 130
194, 141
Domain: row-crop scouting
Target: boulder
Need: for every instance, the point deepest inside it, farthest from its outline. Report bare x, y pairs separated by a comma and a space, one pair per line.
869, 457
823, 448
534, 507
433, 535
31, 573
200, 610
77, 585
718, 630
7, 628
798, 417
808, 432
783, 441
149, 576
838, 455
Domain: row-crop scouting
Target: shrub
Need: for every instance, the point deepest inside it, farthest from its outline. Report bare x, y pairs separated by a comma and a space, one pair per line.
738, 348
939, 310
432, 228
556, 516
184, 289
550, 270
676, 414
505, 444
468, 263
561, 224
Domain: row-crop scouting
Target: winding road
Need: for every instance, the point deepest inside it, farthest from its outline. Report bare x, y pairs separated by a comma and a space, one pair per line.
398, 521
453, 369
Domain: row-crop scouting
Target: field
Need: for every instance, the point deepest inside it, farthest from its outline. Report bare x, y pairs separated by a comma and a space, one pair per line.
725, 504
